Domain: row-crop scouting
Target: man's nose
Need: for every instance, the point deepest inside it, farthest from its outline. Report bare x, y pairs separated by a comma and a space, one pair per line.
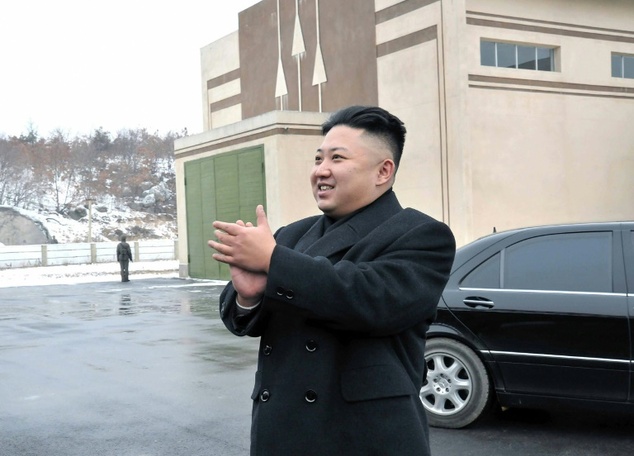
323, 169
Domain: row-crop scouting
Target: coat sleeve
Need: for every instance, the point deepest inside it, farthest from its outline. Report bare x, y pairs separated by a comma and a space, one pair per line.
385, 284
252, 323
245, 324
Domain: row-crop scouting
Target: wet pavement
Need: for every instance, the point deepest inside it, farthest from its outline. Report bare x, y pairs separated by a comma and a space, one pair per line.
146, 368
138, 368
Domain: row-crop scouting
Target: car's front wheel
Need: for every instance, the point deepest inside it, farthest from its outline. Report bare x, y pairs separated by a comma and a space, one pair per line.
457, 390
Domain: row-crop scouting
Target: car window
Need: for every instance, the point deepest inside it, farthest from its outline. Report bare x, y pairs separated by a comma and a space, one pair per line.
566, 262
486, 275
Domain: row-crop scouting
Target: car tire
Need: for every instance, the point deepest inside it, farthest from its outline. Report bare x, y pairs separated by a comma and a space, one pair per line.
457, 390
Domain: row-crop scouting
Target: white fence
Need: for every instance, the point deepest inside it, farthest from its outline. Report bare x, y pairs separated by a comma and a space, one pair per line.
20, 256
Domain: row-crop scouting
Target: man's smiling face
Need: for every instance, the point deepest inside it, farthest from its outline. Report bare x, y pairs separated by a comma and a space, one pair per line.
350, 171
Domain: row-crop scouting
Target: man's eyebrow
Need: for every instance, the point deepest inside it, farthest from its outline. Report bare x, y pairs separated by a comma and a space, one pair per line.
332, 149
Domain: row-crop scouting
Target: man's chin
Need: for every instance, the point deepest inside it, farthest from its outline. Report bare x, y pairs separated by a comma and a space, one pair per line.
325, 208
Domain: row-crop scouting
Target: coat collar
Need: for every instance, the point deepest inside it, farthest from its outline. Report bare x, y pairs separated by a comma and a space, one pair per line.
348, 232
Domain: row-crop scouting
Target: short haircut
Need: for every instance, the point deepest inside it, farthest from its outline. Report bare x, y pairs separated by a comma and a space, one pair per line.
123, 238
375, 121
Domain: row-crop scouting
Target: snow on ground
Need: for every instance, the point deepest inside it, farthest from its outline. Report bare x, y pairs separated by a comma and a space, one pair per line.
83, 273
104, 224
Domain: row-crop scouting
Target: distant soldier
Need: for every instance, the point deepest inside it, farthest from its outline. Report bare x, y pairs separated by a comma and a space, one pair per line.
124, 256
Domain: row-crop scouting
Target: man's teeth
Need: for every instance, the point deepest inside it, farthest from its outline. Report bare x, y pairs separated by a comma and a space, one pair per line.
325, 187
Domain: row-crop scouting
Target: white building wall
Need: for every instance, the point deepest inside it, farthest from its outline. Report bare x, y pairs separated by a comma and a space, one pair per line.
217, 59
408, 85
557, 146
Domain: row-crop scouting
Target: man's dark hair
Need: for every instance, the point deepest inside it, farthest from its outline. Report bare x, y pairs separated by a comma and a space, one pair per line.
374, 120
123, 238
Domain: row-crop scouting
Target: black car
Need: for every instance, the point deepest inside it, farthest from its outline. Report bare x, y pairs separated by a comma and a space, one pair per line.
535, 317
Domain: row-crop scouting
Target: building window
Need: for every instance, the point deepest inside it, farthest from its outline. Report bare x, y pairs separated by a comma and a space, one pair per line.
507, 55
622, 66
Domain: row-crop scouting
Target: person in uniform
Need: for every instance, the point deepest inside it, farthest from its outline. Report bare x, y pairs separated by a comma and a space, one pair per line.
124, 256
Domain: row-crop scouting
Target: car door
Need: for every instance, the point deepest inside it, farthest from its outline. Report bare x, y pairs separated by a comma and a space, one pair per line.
628, 249
551, 309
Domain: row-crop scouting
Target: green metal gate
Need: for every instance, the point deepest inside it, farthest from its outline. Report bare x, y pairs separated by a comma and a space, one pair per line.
226, 187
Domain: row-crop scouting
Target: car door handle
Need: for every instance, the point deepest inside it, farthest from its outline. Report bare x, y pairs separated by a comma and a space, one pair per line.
477, 301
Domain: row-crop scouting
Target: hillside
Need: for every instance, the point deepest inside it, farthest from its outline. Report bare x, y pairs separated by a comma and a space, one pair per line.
107, 223
48, 186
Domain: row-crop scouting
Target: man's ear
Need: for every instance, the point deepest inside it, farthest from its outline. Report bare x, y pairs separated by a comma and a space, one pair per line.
386, 171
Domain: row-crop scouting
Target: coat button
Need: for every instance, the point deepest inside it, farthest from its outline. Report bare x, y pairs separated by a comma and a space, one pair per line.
265, 395
288, 294
310, 396
267, 350
311, 345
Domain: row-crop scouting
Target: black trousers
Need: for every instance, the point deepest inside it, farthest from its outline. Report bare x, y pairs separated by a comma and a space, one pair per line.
124, 270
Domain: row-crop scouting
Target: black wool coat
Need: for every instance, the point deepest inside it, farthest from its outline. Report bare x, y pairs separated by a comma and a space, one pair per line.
342, 329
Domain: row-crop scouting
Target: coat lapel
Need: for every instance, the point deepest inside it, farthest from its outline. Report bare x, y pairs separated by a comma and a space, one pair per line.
314, 233
345, 235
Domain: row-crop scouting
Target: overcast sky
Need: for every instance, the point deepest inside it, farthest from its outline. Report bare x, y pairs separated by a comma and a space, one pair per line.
78, 65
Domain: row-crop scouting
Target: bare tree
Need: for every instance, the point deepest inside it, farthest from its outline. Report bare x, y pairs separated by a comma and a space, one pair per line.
61, 172
17, 185
58, 168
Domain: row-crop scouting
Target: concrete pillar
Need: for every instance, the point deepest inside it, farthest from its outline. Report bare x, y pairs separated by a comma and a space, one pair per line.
44, 255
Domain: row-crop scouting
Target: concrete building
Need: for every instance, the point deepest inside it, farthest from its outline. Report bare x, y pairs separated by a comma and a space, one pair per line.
518, 112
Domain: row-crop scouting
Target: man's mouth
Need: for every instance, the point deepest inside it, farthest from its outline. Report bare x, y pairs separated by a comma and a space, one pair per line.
323, 188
